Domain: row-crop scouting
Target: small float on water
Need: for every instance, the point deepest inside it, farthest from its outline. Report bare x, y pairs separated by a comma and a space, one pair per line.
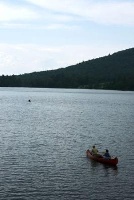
111, 161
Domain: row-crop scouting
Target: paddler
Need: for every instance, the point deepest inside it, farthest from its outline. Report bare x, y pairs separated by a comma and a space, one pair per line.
94, 150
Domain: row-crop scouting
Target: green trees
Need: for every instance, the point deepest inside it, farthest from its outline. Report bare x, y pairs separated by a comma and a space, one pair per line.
9, 81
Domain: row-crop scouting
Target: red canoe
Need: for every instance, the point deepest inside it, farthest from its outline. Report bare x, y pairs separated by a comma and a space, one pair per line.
112, 161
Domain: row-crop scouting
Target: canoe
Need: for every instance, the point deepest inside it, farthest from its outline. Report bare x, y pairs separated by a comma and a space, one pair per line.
101, 159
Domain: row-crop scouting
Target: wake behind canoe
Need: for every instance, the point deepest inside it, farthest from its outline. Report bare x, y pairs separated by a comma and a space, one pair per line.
101, 159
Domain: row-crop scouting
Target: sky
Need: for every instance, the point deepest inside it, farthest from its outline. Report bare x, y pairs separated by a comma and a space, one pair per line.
40, 35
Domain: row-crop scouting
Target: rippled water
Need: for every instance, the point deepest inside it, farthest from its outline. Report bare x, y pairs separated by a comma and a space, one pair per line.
43, 144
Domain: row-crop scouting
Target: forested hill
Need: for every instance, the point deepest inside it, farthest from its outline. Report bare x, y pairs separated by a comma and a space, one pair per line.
114, 71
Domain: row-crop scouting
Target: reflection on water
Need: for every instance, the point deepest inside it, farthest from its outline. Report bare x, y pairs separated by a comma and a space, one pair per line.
110, 167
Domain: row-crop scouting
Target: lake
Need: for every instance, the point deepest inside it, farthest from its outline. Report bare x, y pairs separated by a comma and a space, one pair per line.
43, 144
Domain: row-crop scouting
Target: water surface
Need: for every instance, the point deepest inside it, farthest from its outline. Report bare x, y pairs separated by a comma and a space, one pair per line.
43, 144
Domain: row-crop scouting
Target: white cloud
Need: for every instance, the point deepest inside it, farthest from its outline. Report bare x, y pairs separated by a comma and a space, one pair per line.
23, 17
26, 58
61, 26
11, 13
62, 11
113, 13
22, 58
106, 12
30, 26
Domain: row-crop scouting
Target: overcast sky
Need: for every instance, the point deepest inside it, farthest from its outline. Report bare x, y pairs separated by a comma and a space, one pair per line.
38, 35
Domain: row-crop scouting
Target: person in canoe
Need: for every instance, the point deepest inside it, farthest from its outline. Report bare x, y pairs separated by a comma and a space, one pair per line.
107, 155
95, 152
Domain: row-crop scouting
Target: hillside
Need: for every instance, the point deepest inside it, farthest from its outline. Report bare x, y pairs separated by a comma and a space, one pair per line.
114, 71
